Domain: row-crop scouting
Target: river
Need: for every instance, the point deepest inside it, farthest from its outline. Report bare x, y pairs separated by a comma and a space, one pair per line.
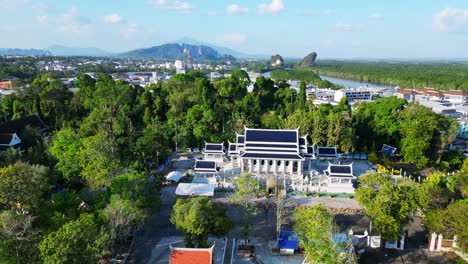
347, 83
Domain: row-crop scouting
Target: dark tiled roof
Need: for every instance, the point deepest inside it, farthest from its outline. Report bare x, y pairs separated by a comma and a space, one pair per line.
310, 149
18, 125
302, 141
279, 136
388, 150
249, 145
232, 147
240, 139
340, 169
272, 156
214, 147
205, 164
326, 151
5, 139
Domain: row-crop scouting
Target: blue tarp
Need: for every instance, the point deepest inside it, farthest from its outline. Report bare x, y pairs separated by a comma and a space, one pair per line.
288, 240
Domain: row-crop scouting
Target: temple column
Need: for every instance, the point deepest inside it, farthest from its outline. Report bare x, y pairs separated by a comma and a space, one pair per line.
259, 166
275, 166
241, 165
250, 165
267, 171
283, 166
299, 167
291, 169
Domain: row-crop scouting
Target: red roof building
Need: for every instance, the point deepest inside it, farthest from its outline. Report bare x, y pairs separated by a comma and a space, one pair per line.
191, 255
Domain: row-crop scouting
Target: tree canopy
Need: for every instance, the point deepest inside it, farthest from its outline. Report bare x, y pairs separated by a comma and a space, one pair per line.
199, 217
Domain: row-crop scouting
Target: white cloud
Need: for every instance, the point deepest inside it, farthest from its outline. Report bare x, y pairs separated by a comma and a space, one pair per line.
178, 6
129, 31
348, 27
13, 4
72, 22
235, 9
113, 18
328, 12
375, 16
42, 19
451, 20
274, 7
231, 39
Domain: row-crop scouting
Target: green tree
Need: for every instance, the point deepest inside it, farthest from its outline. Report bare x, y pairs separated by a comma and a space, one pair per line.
247, 188
301, 97
22, 186
123, 217
66, 149
197, 218
98, 163
389, 203
78, 241
18, 238
315, 227
451, 221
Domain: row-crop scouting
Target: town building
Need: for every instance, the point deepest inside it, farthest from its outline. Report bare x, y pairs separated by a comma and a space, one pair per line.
463, 128
359, 94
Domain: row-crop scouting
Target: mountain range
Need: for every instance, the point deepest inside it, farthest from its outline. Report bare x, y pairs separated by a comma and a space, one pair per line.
184, 48
174, 51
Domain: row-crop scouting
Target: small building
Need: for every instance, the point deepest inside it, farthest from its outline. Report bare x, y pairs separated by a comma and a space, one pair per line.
204, 167
388, 150
463, 128
10, 132
406, 94
191, 255
288, 242
214, 151
233, 153
456, 97
339, 178
326, 152
9, 140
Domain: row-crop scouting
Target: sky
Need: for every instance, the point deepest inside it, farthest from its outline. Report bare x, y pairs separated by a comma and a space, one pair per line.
292, 28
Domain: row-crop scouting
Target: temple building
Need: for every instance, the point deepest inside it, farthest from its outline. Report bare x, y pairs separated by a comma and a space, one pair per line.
214, 151
272, 151
339, 178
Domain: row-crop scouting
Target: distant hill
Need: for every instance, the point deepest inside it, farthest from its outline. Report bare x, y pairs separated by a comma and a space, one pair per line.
59, 50
220, 49
276, 60
175, 51
309, 60
24, 52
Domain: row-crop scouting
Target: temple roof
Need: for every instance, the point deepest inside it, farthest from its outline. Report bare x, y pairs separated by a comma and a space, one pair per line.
205, 166
213, 148
326, 152
339, 170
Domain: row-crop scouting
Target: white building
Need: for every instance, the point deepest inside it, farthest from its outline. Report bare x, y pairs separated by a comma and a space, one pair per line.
272, 152
359, 94
339, 178
214, 151
179, 65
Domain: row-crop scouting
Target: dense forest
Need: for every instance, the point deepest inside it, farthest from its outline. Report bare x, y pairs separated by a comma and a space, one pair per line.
406, 75
87, 180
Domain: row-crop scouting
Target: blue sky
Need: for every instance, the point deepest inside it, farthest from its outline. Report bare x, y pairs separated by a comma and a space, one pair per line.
333, 28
